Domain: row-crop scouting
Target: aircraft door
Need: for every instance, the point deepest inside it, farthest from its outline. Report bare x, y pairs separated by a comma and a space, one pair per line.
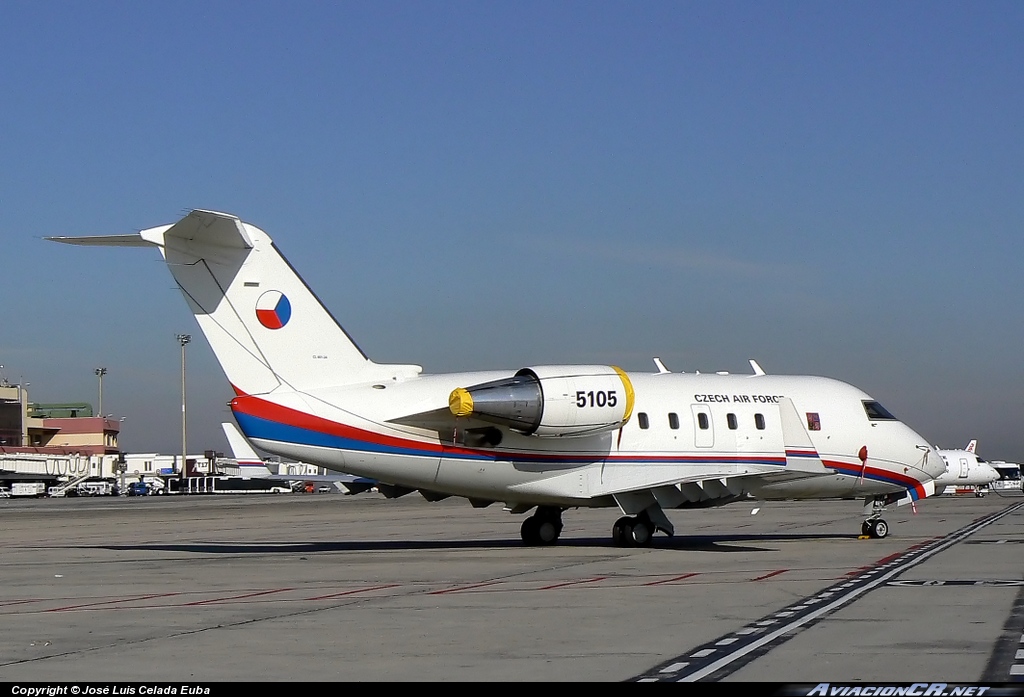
703, 426
963, 467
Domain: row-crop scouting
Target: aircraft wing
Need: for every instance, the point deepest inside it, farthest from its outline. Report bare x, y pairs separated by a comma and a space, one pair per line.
350, 483
440, 420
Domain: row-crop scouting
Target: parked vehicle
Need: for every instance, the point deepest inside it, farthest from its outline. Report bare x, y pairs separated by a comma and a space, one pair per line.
100, 488
37, 489
138, 489
1009, 477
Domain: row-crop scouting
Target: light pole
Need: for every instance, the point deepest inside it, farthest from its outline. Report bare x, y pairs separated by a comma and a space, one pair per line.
23, 405
100, 372
183, 339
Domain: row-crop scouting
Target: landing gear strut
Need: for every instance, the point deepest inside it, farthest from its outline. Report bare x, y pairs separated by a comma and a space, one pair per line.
635, 531
874, 526
543, 527
877, 528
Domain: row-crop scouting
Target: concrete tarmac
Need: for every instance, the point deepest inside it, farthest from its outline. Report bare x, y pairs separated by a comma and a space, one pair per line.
327, 587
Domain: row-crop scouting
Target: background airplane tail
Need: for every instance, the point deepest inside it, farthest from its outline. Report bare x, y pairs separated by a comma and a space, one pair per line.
267, 328
249, 463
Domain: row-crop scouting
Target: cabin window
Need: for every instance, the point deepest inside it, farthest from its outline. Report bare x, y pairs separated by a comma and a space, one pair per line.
876, 412
813, 421
731, 419
759, 421
702, 421
673, 420
642, 420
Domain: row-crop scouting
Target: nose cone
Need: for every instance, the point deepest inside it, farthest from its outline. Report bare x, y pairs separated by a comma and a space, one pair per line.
988, 472
934, 466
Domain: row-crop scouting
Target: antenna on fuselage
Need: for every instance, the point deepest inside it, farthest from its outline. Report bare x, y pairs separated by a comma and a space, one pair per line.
660, 366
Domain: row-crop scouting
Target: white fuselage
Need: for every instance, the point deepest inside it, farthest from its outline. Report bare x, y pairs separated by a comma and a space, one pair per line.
546, 436
964, 468
361, 429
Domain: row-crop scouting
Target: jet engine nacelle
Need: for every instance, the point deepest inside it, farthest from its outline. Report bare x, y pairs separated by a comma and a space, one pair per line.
551, 401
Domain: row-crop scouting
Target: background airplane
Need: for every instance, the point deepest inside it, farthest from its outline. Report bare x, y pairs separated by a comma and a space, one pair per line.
252, 465
965, 469
544, 438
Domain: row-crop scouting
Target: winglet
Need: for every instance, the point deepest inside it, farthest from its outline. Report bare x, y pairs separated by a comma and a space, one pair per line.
756, 368
660, 366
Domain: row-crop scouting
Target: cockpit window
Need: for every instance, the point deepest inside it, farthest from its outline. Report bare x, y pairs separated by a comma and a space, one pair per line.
876, 412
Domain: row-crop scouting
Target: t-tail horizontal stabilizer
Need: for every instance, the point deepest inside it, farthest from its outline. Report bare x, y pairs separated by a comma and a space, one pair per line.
133, 240
267, 328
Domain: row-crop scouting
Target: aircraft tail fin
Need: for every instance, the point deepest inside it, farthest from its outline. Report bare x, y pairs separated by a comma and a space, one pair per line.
266, 327
972, 446
249, 463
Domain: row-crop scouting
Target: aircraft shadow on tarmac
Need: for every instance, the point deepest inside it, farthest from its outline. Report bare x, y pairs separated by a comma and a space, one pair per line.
702, 543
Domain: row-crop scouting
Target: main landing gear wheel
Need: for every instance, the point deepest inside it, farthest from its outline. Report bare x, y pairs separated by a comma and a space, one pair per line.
622, 532
643, 531
542, 528
632, 532
876, 529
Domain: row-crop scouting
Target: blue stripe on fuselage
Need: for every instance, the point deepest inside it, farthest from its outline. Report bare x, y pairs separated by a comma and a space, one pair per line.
266, 429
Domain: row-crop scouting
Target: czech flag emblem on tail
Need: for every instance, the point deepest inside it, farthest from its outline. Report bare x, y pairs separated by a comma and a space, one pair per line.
273, 309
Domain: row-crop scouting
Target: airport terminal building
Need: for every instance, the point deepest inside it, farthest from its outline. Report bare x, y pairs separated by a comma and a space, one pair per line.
53, 429
59, 446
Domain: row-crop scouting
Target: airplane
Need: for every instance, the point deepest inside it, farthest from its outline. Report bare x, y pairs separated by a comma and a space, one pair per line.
544, 438
249, 463
252, 465
964, 468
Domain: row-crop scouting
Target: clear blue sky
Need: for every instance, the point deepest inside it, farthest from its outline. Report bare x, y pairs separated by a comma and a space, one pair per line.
831, 188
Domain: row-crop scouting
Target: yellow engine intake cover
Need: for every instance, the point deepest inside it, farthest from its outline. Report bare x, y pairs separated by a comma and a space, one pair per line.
460, 401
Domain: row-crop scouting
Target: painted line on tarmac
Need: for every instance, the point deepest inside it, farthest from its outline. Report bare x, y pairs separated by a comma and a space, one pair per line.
725, 655
572, 583
672, 580
459, 589
112, 601
353, 592
1006, 663
235, 597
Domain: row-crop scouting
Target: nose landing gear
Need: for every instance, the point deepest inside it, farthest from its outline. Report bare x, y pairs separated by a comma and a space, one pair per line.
874, 527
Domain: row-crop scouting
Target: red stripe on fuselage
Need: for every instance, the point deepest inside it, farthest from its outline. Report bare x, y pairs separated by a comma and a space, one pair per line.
264, 409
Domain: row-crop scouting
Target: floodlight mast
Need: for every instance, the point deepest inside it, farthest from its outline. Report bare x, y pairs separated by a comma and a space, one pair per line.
183, 339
